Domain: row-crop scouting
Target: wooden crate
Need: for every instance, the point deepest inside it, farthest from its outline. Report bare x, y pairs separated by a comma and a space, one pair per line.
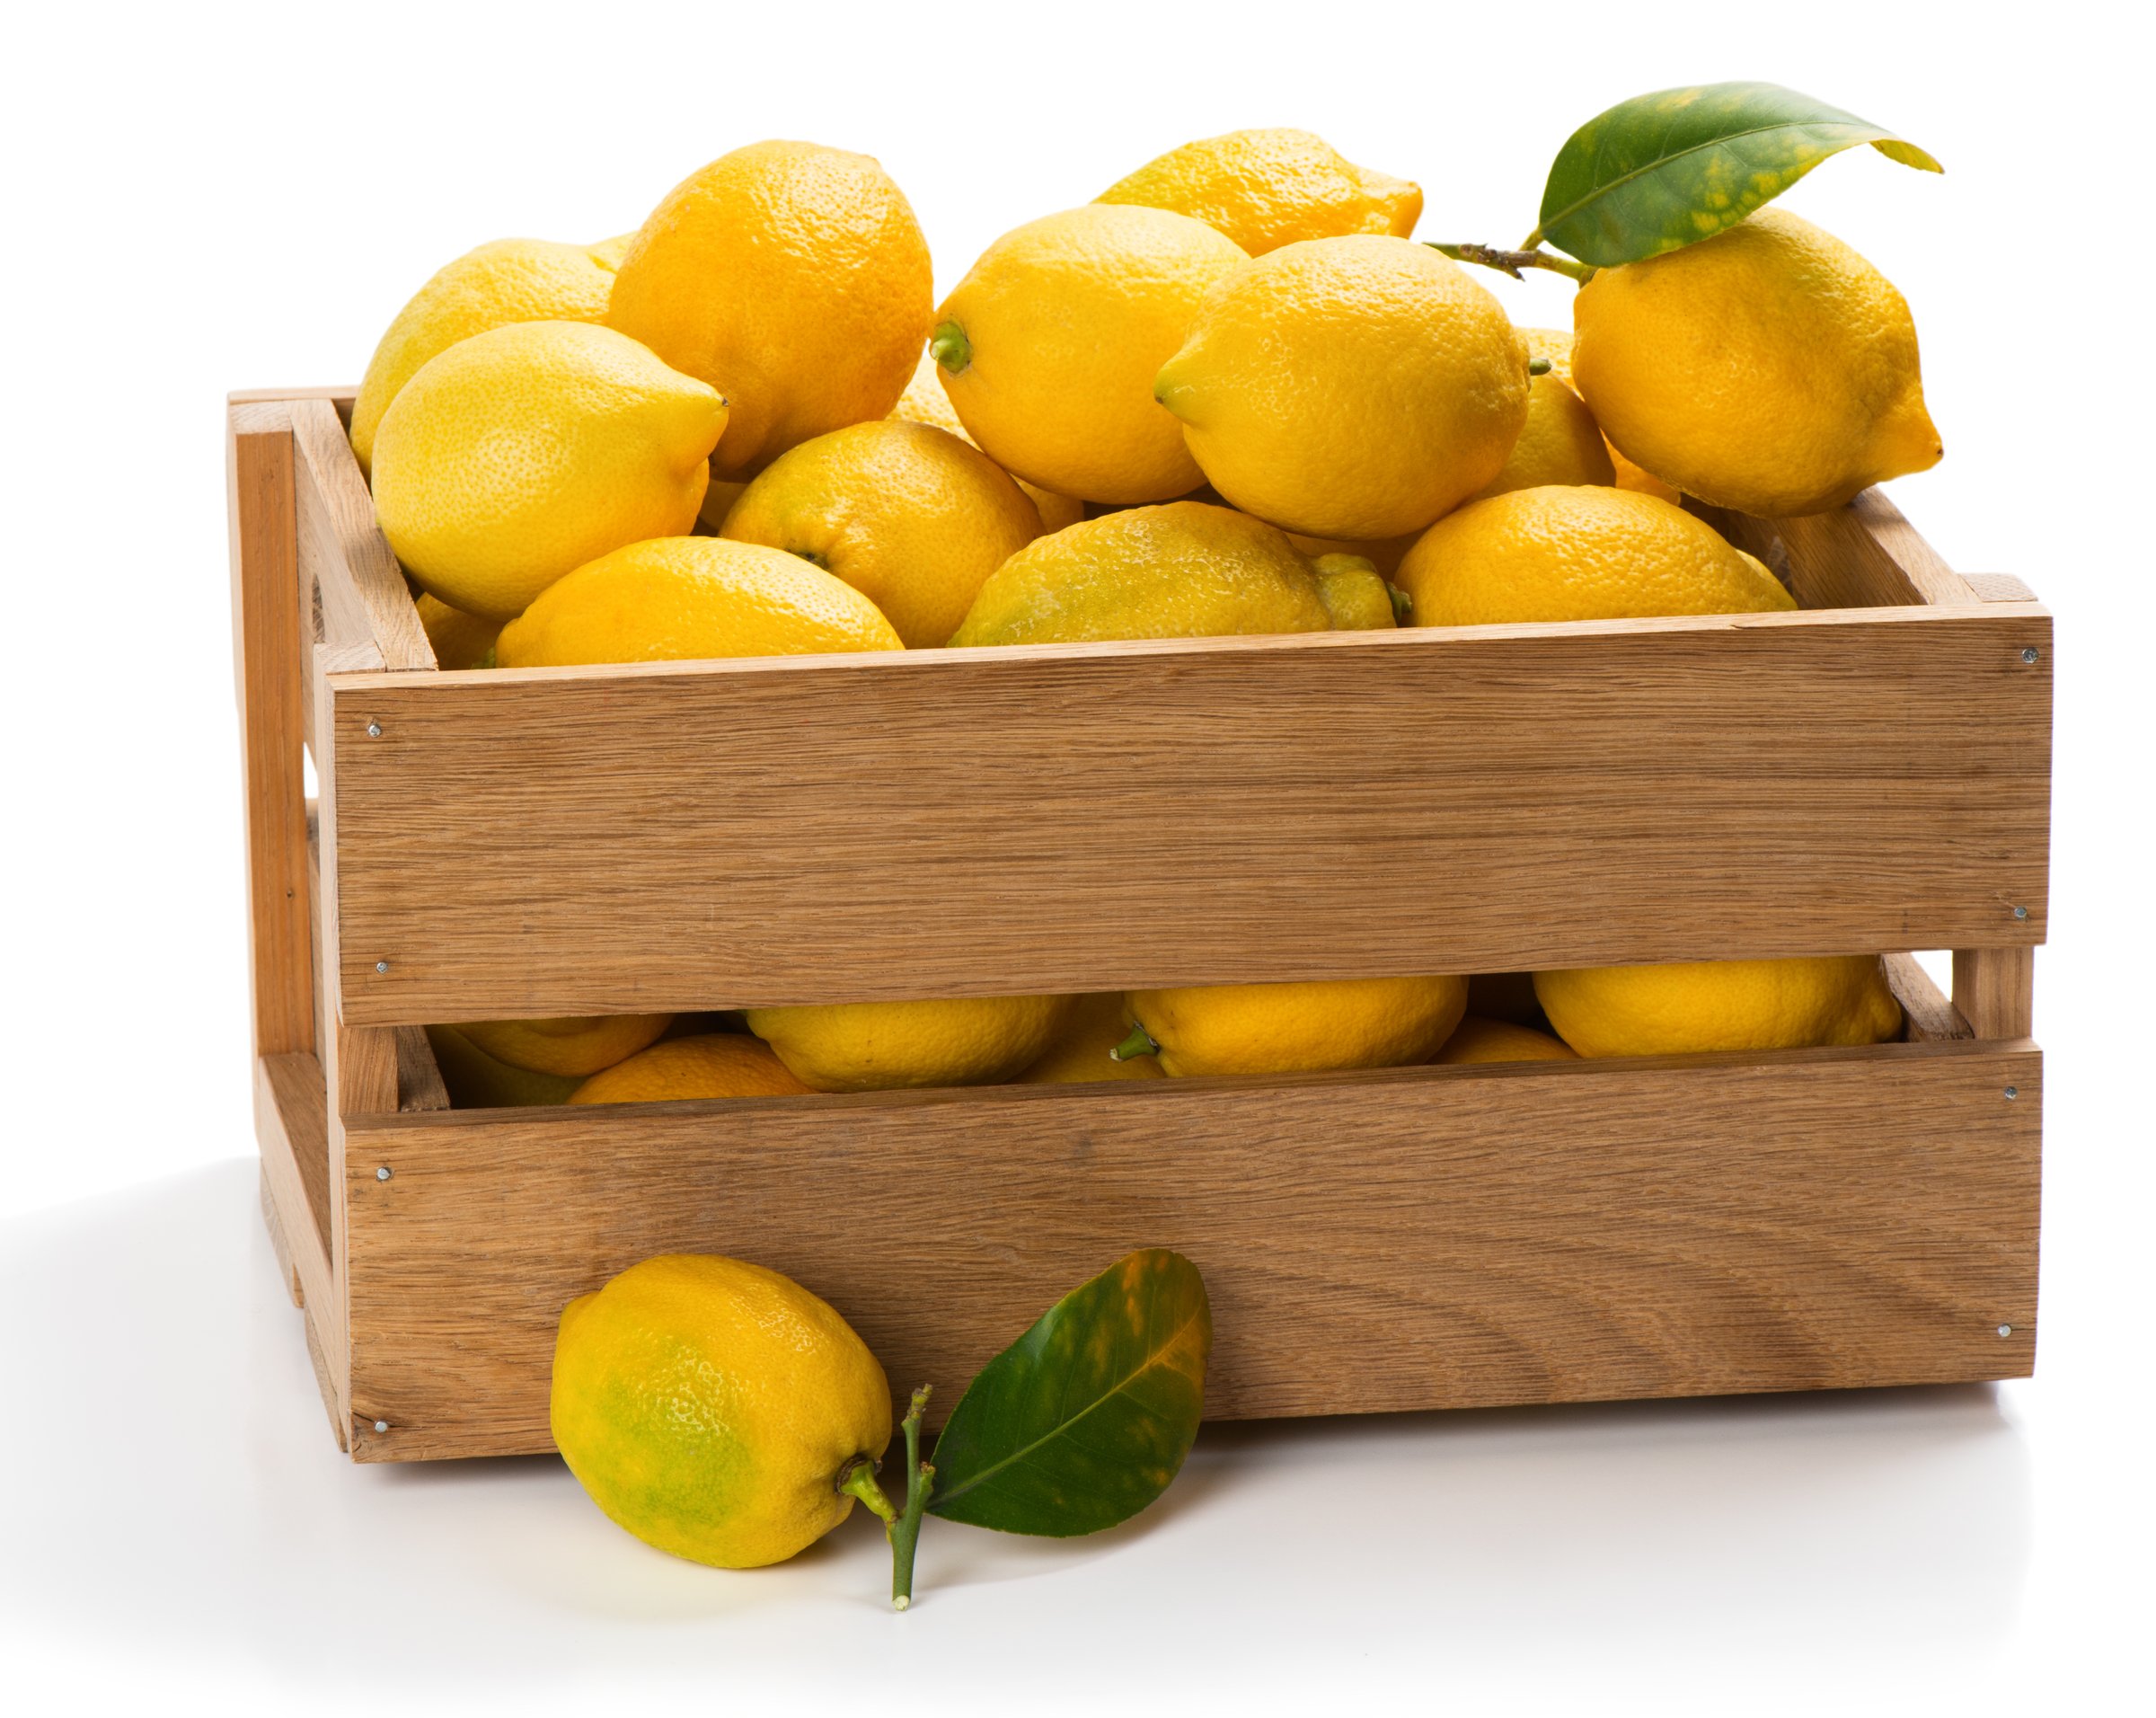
1870, 773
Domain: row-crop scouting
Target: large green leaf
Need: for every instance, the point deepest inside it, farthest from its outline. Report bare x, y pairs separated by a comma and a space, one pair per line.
1661, 171
1084, 1421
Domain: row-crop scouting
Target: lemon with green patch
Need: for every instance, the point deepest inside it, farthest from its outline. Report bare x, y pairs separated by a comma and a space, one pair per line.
711, 1408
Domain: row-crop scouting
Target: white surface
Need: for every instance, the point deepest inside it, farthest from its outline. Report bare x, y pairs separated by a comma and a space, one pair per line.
217, 197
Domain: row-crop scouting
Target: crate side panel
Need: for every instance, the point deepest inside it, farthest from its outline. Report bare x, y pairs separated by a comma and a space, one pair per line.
1213, 812
1425, 1238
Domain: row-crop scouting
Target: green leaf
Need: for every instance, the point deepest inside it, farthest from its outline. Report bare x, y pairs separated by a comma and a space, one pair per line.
1084, 1421
1661, 171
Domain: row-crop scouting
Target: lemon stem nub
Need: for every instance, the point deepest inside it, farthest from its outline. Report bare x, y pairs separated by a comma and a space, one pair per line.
905, 1533
858, 1479
1139, 1043
1538, 366
949, 348
1404, 605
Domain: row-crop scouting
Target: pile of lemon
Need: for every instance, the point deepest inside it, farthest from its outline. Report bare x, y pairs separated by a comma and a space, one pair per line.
1231, 395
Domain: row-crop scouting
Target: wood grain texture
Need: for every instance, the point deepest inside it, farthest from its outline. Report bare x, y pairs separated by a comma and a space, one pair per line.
1998, 588
343, 552
268, 670
420, 1083
1864, 555
1928, 1017
1067, 817
287, 1271
1994, 989
291, 1125
1418, 1238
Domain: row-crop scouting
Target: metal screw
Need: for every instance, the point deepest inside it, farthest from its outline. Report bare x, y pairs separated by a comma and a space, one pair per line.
381, 966
2020, 912
2013, 1091
2029, 655
383, 1425
2004, 1330
374, 728
383, 1173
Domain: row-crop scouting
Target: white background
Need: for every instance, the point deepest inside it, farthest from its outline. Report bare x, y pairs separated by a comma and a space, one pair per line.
214, 197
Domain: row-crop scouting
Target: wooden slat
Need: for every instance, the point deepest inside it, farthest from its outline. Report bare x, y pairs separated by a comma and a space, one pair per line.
1421, 1238
1070, 818
292, 1124
420, 1083
363, 594
340, 394
266, 655
287, 1272
1998, 588
1927, 1016
1867, 554
1994, 989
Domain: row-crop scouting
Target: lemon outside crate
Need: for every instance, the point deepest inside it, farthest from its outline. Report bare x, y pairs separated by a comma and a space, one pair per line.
1869, 774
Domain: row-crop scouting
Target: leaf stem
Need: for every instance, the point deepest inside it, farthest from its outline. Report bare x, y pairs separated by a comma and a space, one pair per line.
1512, 261
905, 1533
1140, 1042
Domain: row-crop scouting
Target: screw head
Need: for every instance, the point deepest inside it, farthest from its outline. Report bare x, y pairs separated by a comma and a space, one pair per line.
2004, 1330
374, 728
2013, 1091
381, 966
2020, 912
2029, 655
383, 1425
383, 1173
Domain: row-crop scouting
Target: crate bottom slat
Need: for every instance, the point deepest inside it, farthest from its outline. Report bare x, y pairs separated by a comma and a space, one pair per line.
1418, 1238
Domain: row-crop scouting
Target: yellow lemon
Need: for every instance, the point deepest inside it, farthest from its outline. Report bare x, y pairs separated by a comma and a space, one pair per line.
925, 401
477, 1080
1295, 1028
1493, 1041
871, 1045
1385, 553
1768, 368
1561, 443
579, 1044
710, 1407
1050, 345
710, 1064
1353, 387
1355, 595
688, 598
1720, 1005
1578, 553
794, 280
911, 516
1080, 1049
525, 451
509, 280
1268, 187
1554, 345
459, 641
1181, 570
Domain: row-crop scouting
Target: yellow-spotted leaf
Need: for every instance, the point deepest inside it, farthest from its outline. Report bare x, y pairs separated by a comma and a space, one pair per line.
1084, 1420
1661, 171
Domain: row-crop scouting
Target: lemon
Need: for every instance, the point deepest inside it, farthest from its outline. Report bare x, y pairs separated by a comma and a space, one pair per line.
1554, 346
871, 1045
581, 1044
1487, 1041
678, 598
1720, 1005
1768, 368
1355, 597
709, 1064
1385, 553
791, 277
1578, 553
1351, 387
925, 401
1181, 570
525, 451
710, 1407
1295, 1028
459, 641
911, 516
1079, 1050
509, 280
718, 498
476, 1081
1050, 345
1268, 187
1561, 443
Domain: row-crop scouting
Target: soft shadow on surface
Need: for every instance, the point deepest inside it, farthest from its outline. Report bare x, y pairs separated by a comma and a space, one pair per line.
187, 1495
